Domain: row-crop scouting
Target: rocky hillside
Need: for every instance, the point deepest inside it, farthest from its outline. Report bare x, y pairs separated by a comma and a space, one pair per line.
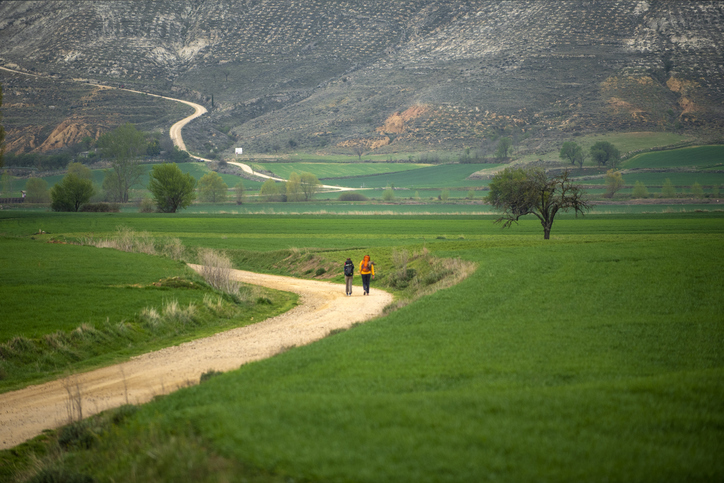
387, 74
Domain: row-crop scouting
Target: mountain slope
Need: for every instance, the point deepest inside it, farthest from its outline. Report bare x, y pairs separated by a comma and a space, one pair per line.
393, 75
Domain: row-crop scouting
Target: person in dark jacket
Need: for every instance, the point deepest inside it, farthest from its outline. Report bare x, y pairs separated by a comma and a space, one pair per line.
348, 276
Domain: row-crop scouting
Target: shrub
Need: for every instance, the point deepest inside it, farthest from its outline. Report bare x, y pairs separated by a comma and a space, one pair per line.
352, 196
388, 195
100, 208
216, 270
696, 190
76, 434
639, 190
146, 205
320, 271
668, 190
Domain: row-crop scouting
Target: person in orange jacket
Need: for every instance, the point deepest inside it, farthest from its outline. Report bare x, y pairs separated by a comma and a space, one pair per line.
366, 269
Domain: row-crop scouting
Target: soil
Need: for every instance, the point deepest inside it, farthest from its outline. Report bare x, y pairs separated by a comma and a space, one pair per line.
323, 308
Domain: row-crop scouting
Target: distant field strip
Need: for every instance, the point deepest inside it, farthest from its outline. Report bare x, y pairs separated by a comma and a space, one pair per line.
338, 170
442, 176
658, 179
703, 156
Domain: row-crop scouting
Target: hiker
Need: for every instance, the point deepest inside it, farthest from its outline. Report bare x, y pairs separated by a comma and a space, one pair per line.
348, 275
366, 269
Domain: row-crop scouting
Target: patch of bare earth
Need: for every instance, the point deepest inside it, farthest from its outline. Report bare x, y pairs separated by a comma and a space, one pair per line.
324, 307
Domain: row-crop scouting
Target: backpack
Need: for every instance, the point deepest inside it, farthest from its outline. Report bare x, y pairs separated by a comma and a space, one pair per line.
348, 268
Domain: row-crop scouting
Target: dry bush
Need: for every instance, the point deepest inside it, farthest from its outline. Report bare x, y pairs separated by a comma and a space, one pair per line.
173, 249
216, 270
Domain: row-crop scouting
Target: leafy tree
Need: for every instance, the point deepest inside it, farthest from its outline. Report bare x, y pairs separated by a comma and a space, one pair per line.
696, 190
153, 147
444, 195
212, 188
239, 192
269, 190
124, 145
71, 193
614, 182
388, 194
639, 190
80, 170
7, 183
471, 195
668, 190
176, 155
37, 191
171, 188
605, 154
294, 188
573, 153
504, 146
310, 185
2, 132
522, 191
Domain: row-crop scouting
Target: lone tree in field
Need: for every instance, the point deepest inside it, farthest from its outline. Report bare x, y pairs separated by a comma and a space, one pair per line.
523, 191
212, 188
359, 150
310, 185
573, 153
171, 189
504, 146
123, 146
71, 193
605, 154
614, 182
294, 187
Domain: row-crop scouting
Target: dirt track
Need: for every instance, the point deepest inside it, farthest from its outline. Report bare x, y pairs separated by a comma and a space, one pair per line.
324, 307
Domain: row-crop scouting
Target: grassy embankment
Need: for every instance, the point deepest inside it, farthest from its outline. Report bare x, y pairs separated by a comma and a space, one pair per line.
594, 356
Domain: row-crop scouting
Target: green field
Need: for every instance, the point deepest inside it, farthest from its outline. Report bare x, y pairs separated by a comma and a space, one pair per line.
700, 156
338, 170
595, 356
442, 176
679, 179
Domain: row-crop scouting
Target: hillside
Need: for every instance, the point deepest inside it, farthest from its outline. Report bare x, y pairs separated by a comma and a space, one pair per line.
391, 75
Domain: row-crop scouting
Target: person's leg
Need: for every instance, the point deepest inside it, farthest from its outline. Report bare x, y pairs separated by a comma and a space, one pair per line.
349, 284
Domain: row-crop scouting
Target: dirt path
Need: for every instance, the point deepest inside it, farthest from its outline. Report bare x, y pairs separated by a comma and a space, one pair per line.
324, 307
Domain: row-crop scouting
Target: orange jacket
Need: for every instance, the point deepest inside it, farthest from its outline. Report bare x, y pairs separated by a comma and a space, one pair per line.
371, 266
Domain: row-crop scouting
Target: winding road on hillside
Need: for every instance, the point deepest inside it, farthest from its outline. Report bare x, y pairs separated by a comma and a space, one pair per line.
176, 135
323, 308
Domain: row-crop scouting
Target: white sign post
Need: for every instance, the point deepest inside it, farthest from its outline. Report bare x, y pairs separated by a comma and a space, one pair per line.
238, 150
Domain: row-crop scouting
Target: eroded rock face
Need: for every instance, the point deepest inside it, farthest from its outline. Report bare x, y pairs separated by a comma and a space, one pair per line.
324, 72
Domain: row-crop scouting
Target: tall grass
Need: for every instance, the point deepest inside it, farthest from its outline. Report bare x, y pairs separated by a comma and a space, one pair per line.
128, 240
216, 269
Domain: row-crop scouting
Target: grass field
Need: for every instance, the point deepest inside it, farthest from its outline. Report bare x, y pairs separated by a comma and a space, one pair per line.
679, 179
594, 356
699, 156
338, 170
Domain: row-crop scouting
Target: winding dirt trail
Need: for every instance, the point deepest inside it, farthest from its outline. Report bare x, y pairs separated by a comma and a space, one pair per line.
323, 307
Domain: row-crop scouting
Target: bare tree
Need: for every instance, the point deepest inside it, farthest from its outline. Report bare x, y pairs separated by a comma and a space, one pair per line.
523, 191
